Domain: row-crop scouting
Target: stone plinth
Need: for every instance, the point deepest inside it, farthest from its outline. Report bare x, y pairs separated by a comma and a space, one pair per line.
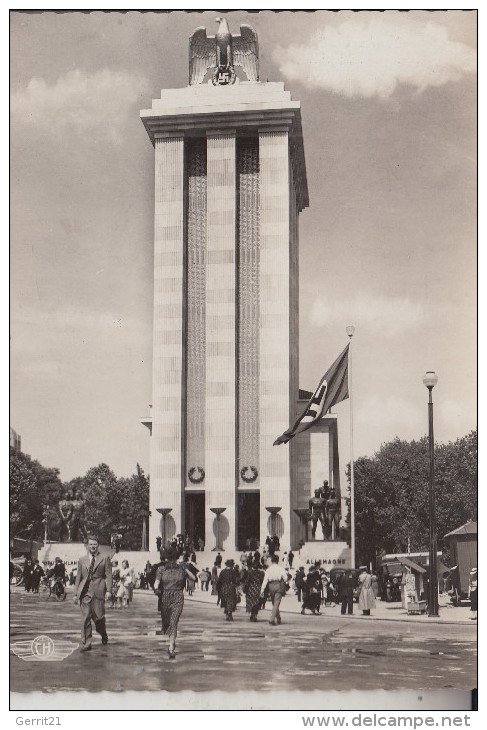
69, 552
332, 554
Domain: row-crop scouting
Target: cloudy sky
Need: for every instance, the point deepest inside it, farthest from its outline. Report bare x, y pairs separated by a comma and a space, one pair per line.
388, 243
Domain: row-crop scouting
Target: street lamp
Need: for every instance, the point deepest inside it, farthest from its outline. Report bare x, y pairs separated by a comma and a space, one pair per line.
45, 519
430, 380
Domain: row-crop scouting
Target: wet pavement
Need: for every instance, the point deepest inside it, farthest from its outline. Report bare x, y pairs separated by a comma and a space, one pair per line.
305, 652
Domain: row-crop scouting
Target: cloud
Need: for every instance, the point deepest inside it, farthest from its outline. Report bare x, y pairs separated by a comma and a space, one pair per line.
390, 316
80, 103
370, 55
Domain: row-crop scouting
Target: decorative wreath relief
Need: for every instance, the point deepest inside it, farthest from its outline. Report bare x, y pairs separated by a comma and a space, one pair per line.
196, 474
249, 473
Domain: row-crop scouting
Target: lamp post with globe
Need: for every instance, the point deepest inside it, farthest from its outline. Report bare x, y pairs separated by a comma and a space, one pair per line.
430, 380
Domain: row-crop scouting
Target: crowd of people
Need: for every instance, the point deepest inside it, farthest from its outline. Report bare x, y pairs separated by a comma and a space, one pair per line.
33, 573
259, 577
313, 585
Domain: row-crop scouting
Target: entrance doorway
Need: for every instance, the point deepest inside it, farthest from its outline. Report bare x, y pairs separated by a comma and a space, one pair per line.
194, 517
248, 520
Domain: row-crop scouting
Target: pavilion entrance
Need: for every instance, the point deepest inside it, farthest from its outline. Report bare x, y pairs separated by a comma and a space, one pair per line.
248, 527
194, 516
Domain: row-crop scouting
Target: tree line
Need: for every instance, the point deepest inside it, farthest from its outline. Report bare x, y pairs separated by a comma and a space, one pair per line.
392, 495
113, 505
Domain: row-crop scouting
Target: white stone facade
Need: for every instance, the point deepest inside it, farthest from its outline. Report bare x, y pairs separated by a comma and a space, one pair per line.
230, 182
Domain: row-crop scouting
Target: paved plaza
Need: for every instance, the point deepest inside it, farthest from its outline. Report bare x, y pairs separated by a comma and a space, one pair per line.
305, 653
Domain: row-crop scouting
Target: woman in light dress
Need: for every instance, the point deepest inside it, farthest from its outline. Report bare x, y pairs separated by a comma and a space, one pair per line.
126, 587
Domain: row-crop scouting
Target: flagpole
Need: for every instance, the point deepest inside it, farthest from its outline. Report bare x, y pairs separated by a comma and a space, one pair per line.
350, 332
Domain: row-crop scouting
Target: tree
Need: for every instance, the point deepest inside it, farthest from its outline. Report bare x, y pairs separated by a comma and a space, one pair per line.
392, 494
456, 482
115, 505
112, 505
32, 486
22, 484
134, 503
99, 487
48, 484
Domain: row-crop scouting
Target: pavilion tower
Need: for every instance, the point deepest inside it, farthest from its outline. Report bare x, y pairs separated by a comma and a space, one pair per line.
230, 182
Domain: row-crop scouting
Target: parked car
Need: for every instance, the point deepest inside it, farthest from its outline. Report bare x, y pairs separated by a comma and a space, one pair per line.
390, 577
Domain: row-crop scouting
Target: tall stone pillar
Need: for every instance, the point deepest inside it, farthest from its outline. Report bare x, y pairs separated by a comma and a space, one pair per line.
274, 341
220, 336
226, 307
165, 467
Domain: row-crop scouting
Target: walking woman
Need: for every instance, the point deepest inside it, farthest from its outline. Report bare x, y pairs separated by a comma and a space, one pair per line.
126, 586
227, 589
115, 585
169, 585
252, 582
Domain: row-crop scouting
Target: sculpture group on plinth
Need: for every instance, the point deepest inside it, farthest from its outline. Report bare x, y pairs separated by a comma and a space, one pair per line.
68, 522
324, 508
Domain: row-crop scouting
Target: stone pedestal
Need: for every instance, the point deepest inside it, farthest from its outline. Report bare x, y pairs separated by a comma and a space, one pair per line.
69, 552
332, 554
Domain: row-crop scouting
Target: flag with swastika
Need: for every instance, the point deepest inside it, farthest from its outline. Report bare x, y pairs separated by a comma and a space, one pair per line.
332, 388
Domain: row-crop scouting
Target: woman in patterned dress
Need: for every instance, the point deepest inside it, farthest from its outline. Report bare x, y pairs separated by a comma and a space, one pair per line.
227, 589
252, 582
169, 586
115, 584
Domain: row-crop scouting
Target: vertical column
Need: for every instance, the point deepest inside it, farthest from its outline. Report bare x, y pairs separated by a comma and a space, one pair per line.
248, 308
220, 336
275, 407
296, 453
195, 151
166, 451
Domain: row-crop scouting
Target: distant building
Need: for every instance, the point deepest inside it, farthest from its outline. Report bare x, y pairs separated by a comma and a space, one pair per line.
15, 440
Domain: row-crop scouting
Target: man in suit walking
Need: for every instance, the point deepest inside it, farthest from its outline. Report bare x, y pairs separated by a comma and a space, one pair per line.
93, 580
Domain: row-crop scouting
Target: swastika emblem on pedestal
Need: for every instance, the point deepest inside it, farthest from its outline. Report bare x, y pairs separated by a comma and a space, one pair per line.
223, 76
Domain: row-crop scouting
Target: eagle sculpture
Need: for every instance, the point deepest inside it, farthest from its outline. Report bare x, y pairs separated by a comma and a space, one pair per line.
223, 51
